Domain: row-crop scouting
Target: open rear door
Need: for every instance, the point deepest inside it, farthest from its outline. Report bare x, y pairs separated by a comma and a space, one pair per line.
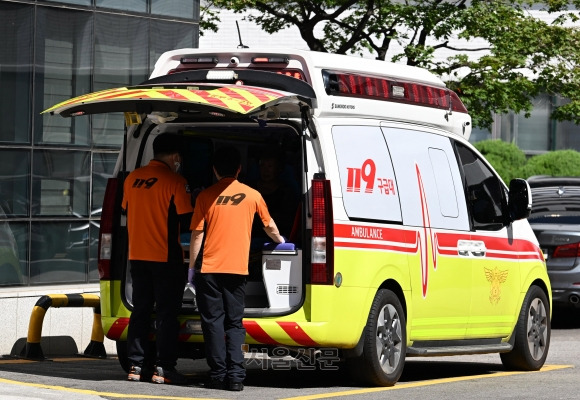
190, 100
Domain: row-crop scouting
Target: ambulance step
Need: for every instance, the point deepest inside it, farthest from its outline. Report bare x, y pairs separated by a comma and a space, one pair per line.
426, 351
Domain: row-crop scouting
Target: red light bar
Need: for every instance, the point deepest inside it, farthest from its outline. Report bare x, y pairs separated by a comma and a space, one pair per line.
270, 60
339, 84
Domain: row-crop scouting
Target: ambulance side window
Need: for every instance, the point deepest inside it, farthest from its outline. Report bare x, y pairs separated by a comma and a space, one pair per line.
444, 183
367, 179
485, 192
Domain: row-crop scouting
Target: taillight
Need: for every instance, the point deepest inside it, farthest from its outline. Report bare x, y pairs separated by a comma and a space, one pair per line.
322, 258
106, 231
567, 250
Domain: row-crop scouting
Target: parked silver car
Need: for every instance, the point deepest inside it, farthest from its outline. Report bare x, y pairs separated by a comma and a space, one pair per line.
555, 219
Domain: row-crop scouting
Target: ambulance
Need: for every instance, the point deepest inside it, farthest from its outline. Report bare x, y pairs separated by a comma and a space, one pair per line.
403, 241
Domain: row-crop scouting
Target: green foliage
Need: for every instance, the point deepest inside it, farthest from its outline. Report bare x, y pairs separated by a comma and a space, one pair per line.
502, 58
506, 158
554, 163
510, 162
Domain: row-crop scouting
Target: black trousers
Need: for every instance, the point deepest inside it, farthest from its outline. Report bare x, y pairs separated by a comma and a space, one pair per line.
160, 285
220, 299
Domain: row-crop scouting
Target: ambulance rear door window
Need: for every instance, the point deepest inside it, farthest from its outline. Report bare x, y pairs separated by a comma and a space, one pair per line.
367, 179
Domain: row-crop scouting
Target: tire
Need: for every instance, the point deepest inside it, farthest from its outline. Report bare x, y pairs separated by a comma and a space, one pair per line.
122, 355
532, 334
384, 343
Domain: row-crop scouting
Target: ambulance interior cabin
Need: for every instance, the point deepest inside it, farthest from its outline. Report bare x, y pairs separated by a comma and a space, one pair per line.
272, 164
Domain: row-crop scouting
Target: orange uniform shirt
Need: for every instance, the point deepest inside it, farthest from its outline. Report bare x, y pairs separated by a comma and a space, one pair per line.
153, 197
228, 208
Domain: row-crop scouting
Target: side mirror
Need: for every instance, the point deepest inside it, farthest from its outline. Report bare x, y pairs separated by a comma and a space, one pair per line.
520, 199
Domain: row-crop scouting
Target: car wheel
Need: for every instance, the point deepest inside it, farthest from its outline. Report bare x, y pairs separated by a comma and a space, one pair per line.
123, 355
384, 343
532, 334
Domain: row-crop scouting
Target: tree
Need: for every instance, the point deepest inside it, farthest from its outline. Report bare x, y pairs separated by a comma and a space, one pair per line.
504, 59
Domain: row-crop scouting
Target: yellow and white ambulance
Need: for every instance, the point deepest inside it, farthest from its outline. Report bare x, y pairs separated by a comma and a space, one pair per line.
403, 239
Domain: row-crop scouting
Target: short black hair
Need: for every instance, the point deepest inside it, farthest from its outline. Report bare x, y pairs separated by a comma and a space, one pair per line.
227, 160
165, 144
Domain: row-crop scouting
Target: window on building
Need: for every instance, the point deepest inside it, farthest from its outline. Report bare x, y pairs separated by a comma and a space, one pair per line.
78, 2
118, 63
60, 183
533, 133
14, 182
64, 58
167, 36
15, 72
174, 8
567, 133
13, 252
125, 5
59, 252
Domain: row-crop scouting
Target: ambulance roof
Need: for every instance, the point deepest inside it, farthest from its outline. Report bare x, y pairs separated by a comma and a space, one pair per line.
312, 60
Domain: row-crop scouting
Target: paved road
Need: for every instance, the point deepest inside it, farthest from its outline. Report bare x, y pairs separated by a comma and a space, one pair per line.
463, 377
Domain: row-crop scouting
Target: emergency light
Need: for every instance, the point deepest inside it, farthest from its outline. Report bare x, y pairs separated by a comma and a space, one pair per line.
363, 86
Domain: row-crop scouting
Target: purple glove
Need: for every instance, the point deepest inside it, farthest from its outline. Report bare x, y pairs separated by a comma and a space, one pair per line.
190, 275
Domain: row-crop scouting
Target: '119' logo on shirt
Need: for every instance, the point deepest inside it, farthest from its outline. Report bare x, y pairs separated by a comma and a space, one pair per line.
234, 200
148, 183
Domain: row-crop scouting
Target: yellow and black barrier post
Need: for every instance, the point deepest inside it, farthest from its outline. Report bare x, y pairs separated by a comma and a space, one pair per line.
96, 348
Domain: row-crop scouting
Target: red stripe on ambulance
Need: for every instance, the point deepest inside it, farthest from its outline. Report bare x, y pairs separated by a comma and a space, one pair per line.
117, 328
292, 329
297, 333
257, 333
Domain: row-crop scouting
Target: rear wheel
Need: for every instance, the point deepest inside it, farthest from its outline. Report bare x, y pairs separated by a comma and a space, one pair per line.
384, 343
532, 333
122, 355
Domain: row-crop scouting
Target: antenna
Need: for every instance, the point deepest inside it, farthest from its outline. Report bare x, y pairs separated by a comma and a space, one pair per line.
241, 45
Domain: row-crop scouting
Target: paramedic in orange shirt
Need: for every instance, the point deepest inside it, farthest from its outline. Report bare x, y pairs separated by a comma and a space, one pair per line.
227, 208
158, 206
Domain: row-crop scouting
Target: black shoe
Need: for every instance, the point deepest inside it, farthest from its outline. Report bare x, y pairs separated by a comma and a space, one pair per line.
134, 374
236, 386
215, 383
168, 376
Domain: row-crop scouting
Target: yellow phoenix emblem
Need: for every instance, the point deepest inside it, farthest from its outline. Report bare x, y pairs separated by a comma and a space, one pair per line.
496, 278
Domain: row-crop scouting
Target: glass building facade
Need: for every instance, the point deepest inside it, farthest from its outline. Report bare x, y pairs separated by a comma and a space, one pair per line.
53, 170
537, 134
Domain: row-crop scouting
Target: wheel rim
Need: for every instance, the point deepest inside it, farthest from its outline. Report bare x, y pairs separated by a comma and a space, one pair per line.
537, 329
389, 339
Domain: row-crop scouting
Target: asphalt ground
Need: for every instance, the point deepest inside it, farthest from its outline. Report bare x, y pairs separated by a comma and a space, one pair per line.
463, 377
